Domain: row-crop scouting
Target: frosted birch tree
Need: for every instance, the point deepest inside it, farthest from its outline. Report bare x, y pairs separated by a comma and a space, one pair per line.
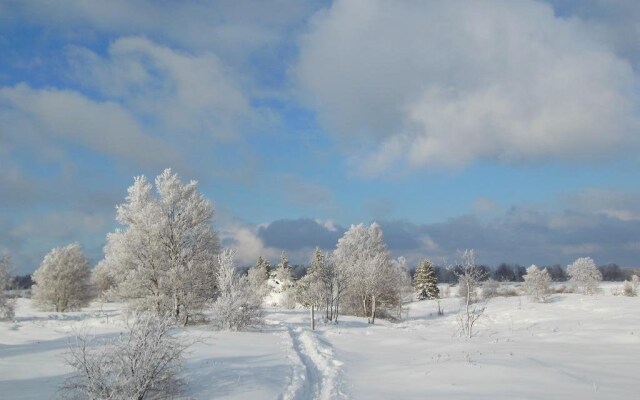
62, 282
164, 257
584, 276
536, 283
7, 304
362, 258
469, 277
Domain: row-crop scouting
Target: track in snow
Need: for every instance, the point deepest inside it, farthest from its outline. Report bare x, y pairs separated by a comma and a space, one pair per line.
316, 372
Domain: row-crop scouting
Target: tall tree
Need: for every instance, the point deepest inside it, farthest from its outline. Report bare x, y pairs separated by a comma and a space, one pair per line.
362, 257
62, 282
164, 257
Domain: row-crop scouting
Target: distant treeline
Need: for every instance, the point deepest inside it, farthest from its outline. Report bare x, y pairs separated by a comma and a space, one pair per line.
514, 273
502, 273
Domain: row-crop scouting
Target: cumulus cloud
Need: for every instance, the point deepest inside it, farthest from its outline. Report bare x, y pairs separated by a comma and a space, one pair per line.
522, 234
183, 92
247, 243
444, 83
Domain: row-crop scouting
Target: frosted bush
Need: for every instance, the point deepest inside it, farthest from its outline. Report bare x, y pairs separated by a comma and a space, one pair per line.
629, 288
237, 306
489, 289
536, 283
584, 276
143, 363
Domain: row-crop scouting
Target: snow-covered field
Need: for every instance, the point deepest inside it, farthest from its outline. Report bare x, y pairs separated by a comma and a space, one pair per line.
583, 347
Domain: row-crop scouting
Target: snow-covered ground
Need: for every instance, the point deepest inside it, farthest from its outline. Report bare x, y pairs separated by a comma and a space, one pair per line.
572, 347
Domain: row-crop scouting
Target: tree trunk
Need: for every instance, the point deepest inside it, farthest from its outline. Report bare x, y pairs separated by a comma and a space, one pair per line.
313, 318
373, 309
364, 308
176, 307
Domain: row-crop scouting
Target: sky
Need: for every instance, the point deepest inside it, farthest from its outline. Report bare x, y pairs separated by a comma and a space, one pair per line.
507, 126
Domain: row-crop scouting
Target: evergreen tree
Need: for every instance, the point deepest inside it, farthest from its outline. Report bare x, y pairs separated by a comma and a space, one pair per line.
284, 272
425, 281
263, 265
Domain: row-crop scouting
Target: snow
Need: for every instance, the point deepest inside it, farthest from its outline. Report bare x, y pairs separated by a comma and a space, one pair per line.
577, 346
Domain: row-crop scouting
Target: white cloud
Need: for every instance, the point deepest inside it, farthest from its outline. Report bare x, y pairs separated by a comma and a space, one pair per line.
448, 83
624, 206
247, 244
102, 126
181, 92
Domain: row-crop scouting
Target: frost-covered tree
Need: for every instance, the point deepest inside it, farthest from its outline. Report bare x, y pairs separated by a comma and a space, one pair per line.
536, 283
584, 276
630, 287
143, 363
284, 271
102, 280
62, 282
7, 304
264, 264
258, 277
237, 306
425, 281
310, 289
400, 285
284, 279
164, 257
469, 277
362, 258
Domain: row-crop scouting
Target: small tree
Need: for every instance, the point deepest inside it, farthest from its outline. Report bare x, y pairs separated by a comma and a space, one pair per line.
332, 281
62, 282
536, 283
237, 306
469, 277
263, 264
142, 364
425, 281
310, 289
629, 288
584, 276
7, 303
258, 277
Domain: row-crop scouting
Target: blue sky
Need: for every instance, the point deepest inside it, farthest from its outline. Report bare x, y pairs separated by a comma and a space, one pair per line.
510, 127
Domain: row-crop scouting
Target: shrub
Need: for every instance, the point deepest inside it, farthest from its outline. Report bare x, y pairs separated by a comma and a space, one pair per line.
142, 364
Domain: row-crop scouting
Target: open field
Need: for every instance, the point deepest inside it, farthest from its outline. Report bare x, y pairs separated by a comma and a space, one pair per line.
587, 347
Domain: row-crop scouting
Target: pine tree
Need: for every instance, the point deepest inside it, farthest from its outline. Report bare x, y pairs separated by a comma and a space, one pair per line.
284, 272
263, 264
425, 281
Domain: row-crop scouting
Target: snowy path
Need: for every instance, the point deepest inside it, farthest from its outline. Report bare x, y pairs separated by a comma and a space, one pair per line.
316, 372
